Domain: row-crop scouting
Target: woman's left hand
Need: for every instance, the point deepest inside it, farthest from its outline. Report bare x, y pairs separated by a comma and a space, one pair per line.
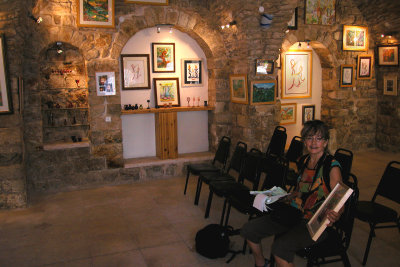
332, 216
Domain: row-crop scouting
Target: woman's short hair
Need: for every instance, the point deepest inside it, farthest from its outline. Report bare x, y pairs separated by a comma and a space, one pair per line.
315, 127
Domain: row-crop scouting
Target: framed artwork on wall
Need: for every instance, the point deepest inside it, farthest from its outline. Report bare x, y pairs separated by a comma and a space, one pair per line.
262, 92
346, 75
95, 13
149, 2
320, 12
388, 55
355, 38
238, 88
264, 66
192, 72
390, 84
296, 74
5, 93
135, 69
364, 67
166, 91
308, 113
105, 83
288, 113
163, 57
292, 24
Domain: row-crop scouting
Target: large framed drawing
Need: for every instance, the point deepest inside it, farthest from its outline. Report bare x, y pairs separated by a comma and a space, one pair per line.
335, 201
355, 38
388, 55
296, 74
346, 75
238, 88
5, 93
163, 57
105, 83
364, 67
320, 12
135, 70
149, 2
95, 13
192, 72
262, 92
308, 113
390, 84
166, 91
288, 113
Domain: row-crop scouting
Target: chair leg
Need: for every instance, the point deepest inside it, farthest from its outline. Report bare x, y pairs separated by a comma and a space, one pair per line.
187, 180
345, 259
371, 234
198, 190
223, 212
227, 214
210, 196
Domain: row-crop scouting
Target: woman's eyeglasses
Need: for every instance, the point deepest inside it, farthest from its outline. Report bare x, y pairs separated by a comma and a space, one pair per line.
315, 138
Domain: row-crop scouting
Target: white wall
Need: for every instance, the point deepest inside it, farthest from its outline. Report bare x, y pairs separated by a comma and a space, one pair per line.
316, 94
138, 131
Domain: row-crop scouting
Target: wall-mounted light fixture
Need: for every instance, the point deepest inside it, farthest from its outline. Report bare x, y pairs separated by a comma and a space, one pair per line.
159, 26
230, 24
38, 20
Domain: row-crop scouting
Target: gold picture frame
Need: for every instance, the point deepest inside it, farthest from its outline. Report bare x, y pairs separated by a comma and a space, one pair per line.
288, 113
364, 67
163, 57
262, 92
166, 92
355, 38
390, 84
149, 2
102, 16
347, 75
238, 88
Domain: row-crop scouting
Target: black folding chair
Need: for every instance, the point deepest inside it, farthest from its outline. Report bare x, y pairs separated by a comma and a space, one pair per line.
221, 156
376, 214
345, 158
276, 146
293, 155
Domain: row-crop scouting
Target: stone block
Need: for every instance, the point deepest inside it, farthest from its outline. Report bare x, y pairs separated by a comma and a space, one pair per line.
130, 174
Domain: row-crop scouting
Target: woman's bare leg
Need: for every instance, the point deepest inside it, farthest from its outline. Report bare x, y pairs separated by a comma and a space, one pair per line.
257, 253
282, 263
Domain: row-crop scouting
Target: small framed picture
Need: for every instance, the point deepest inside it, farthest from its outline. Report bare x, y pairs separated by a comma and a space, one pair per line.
6, 106
262, 92
105, 83
355, 38
95, 13
308, 113
320, 12
364, 67
264, 66
390, 84
163, 57
166, 91
135, 71
288, 113
149, 2
346, 75
292, 24
238, 88
388, 55
192, 72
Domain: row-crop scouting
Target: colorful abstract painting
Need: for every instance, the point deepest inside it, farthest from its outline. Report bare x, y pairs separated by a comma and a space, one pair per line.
320, 12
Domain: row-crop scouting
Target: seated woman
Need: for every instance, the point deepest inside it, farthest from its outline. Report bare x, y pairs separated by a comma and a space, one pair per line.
309, 194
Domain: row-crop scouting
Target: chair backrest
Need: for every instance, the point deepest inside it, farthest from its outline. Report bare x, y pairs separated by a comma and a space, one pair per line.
276, 173
237, 157
295, 150
251, 168
222, 153
345, 158
390, 182
277, 143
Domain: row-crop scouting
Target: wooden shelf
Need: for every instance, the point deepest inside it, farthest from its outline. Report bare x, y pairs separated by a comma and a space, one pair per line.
165, 110
54, 109
65, 145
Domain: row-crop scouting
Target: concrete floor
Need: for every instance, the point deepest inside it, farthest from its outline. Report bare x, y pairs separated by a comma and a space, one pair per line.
154, 224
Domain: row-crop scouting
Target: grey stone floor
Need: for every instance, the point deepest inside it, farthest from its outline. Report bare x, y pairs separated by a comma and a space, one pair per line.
154, 224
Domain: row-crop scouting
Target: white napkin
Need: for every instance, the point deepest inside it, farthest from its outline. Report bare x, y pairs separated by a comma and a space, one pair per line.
267, 197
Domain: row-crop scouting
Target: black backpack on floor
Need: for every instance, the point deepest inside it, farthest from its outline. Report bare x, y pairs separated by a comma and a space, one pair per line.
213, 241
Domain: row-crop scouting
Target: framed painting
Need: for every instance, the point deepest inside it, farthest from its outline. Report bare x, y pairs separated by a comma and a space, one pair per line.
364, 67
105, 83
320, 12
296, 74
262, 92
264, 66
166, 91
388, 55
355, 38
390, 84
346, 75
192, 72
5, 92
292, 24
95, 13
238, 88
308, 113
163, 57
288, 113
135, 69
149, 2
